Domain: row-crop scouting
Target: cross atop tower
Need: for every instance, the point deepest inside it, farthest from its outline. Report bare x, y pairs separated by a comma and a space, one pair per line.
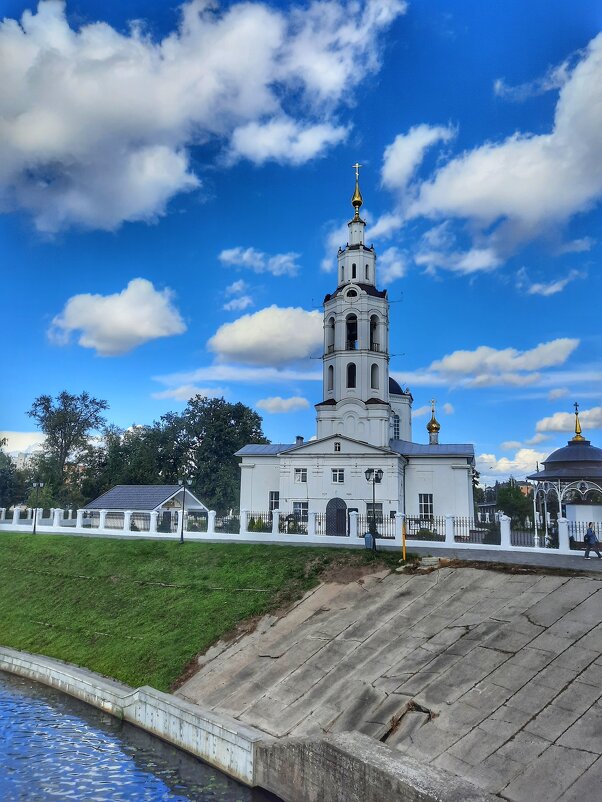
356, 167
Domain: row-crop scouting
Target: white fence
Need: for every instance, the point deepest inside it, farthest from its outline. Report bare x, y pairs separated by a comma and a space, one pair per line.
446, 532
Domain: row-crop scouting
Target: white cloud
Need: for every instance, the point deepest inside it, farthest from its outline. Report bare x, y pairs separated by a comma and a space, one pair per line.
421, 411
272, 336
529, 183
475, 260
554, 78
524, 462
186, 391
22, 441
335, 238
240, 374
238, 304
448, 409
546, 288
384, 227
237, 287
565, 421
511, 445
96, 124
559, 392
487, 360
277, 405
536, 439
391, 265
404, 155
115, 324
284, 141
281, 264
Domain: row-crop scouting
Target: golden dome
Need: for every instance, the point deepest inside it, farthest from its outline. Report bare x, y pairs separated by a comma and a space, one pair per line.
357, 200
433, 425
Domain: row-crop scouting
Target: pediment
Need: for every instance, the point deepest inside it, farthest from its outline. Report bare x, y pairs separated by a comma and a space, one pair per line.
326, 446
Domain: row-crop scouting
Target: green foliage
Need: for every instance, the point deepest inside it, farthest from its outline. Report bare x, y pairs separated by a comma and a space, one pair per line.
140, 611
513, 503
11, 485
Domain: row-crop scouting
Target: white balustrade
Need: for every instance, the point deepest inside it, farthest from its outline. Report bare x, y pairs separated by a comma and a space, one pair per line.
211, 522
353, 516
449, 531
57, 517
505, 541
275, 522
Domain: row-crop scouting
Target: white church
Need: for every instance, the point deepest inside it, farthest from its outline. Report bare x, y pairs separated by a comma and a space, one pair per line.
364, 448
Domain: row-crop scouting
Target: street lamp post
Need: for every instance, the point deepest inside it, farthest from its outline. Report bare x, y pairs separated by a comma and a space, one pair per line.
37, 486
375, 476
183, 482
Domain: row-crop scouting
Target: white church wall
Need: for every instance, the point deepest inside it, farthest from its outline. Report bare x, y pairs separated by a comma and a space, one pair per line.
447, 480
584, 513
258, 477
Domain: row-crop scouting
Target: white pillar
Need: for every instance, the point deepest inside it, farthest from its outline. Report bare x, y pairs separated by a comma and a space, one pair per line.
102, 522
275, 522
505, 541
211, 522
152, 527
57, 515
244, 516
2, 513
16, 516
449, 530
353, 523
564, 544
127, 520
311, 524
29, 513
79, 520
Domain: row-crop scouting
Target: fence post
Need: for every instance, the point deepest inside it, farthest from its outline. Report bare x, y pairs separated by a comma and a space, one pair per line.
244, 515
40, 515
449, 530
564, 543
102, 519
311, 524
127, 520
152, 525
16, 516
353, 523
275, 522
505, 541
2, 513
211, 522
57, 515
79, 519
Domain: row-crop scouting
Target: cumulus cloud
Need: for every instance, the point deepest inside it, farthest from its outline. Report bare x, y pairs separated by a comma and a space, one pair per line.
545, 288
22, 441
448, 409
272, 336
277, 405
96, 124
281, 264
240, 374
565, 421
511, 445
391, 265
115, 324
419, 412
524, 462
238, 304
187, 391
558, 392
405, 153
554, 78
528, 183
237, 287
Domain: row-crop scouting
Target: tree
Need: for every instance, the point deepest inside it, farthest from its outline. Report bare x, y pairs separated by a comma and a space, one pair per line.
67, 422
11, 486
511, 501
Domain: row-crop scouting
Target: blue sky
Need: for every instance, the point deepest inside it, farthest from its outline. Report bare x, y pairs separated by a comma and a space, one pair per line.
175, 182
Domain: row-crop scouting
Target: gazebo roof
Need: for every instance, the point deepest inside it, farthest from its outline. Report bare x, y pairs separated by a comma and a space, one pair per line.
140, 498
577, 460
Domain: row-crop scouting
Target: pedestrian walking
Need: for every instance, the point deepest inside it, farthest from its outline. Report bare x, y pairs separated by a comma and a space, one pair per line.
591, 542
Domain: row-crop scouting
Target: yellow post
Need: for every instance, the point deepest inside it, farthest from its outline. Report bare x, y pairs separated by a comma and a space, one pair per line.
403, 539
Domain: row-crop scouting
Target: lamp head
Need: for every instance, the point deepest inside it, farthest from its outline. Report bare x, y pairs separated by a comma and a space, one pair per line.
369, 473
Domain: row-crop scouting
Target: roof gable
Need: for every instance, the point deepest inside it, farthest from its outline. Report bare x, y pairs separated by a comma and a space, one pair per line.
140, 497
326, 446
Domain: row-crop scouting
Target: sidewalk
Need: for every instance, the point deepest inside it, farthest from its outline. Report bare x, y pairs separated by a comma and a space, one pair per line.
537, 559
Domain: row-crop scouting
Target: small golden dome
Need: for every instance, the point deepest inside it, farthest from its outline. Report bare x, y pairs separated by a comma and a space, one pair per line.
433, 425
357, 200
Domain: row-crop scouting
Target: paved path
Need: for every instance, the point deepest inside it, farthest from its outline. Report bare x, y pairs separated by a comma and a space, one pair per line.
547, 559
495, 677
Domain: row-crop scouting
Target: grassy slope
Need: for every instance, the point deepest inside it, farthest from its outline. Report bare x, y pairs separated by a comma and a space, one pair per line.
93, 602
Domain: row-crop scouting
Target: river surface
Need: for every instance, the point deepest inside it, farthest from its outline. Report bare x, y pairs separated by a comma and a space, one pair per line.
54, 748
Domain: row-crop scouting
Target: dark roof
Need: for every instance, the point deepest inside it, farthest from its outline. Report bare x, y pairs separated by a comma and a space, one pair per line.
328, 403
395, 388
272, 449
408, 449
577, 460
369, 289
135, 497
376, 401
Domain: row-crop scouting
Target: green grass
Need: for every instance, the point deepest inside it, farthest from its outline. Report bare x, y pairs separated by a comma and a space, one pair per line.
110, 605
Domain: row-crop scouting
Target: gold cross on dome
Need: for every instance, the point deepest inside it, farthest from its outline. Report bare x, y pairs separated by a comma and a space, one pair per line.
356, 167
433, 404
576, 405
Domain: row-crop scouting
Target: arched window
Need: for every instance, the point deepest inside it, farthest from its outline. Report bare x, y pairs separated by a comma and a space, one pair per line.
351, 370
351, 332
353, 271
342, 273
374, 344
396, 427
330, 377
367, 272
374, 377
330, 336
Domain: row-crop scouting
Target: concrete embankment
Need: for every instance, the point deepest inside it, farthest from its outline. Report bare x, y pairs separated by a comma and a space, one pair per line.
345, 768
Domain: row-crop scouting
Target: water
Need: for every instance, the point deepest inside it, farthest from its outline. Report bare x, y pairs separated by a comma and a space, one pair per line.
54, 748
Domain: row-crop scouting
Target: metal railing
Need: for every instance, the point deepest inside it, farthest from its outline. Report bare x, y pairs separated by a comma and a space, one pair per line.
577, 530
227, 524
425, 527
259, 522
467, 530
375, 347
196, 521
385, 527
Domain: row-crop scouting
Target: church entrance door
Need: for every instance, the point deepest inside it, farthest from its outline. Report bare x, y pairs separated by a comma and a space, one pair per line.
336, 517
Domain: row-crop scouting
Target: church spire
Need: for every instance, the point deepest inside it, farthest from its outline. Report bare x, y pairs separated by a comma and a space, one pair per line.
357, 200
578, 436
433, 426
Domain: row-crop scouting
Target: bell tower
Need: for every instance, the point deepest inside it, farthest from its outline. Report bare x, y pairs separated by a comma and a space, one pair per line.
356, 343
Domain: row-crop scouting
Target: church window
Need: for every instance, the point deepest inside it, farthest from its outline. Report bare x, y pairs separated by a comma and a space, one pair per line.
374, 345
337, 446
342, 273
330, 336
425, 505
330, 377
351, 374
353, 271
374, 377
300, 511
300, 475
396, 427
378, 511
338, 475
367, 272
351, 332
274, 500
352, 294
